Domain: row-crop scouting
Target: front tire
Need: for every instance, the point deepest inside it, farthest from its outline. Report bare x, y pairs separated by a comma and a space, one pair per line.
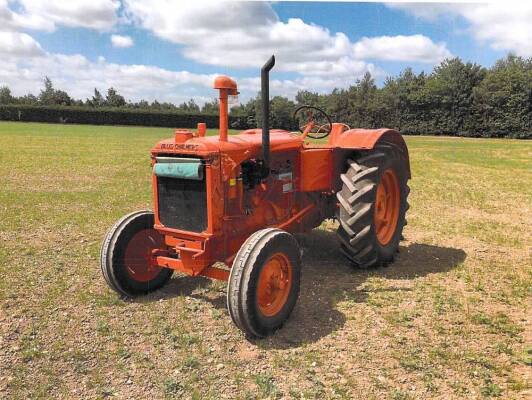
373, 204
126, 252
264, 282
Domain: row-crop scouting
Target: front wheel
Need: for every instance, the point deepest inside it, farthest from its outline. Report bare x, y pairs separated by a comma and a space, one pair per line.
126, 254
264, 282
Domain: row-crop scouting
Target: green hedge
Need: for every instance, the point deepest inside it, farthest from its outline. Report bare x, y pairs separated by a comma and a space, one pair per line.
110, 116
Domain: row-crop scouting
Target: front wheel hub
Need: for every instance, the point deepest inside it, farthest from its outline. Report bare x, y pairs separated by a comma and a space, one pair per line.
274, 285
138, 255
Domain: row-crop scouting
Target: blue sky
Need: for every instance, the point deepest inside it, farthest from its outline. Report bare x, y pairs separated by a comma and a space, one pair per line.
167, 50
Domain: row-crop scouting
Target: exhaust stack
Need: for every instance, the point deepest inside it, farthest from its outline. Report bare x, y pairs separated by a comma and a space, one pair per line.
265, 92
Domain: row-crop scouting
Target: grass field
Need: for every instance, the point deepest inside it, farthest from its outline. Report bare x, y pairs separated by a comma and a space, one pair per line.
448, 320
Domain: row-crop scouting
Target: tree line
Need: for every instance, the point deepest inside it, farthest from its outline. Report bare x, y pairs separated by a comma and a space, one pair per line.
456, 98
49, 96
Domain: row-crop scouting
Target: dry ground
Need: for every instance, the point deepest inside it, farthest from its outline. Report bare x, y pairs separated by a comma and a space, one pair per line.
448, 320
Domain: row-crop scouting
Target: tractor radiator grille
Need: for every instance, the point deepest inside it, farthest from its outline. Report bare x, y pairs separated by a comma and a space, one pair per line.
182, 203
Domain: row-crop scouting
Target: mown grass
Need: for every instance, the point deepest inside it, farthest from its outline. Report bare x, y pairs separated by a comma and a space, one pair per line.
449, 319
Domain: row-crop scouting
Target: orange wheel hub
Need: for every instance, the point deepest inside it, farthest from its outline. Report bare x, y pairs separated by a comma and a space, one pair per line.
387, 203
137, 257
273, 287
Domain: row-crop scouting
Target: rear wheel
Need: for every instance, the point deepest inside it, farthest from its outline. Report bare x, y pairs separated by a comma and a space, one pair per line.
264, 282
126, 253
373, 204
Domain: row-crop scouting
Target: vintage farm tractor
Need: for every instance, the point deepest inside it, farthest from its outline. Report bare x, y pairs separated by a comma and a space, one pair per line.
236, 201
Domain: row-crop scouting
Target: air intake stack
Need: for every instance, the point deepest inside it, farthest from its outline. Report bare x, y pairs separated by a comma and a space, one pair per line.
227, 87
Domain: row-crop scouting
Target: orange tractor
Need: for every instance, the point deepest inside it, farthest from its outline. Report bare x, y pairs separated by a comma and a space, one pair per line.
236, 201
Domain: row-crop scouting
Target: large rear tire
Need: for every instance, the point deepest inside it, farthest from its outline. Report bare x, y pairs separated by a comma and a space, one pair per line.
126, 252
373, 204
264, 282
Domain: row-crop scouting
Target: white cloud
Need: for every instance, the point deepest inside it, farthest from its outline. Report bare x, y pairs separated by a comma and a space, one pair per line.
504, 25
230, 35
79, 76
401, 48
46, 14
16, 44
121, 41
427, 11
94, 14
342, 67
10, 20
213, 33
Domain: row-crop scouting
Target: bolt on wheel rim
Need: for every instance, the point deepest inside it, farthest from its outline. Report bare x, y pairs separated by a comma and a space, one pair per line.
137, 257
274, 284
387, 203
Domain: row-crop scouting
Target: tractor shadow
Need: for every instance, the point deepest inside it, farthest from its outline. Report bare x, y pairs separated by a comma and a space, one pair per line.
327, 279
188, 286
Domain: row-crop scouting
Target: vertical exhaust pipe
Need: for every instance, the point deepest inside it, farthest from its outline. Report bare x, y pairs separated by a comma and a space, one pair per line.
265, 91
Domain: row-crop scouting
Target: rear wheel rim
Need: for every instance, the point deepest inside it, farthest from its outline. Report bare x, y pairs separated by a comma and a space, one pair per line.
274, 284
387, 203
138, 253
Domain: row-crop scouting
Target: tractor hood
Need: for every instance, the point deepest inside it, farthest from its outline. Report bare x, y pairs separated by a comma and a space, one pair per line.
246, 145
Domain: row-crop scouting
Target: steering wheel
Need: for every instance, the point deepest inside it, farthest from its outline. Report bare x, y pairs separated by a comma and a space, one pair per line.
312, 122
